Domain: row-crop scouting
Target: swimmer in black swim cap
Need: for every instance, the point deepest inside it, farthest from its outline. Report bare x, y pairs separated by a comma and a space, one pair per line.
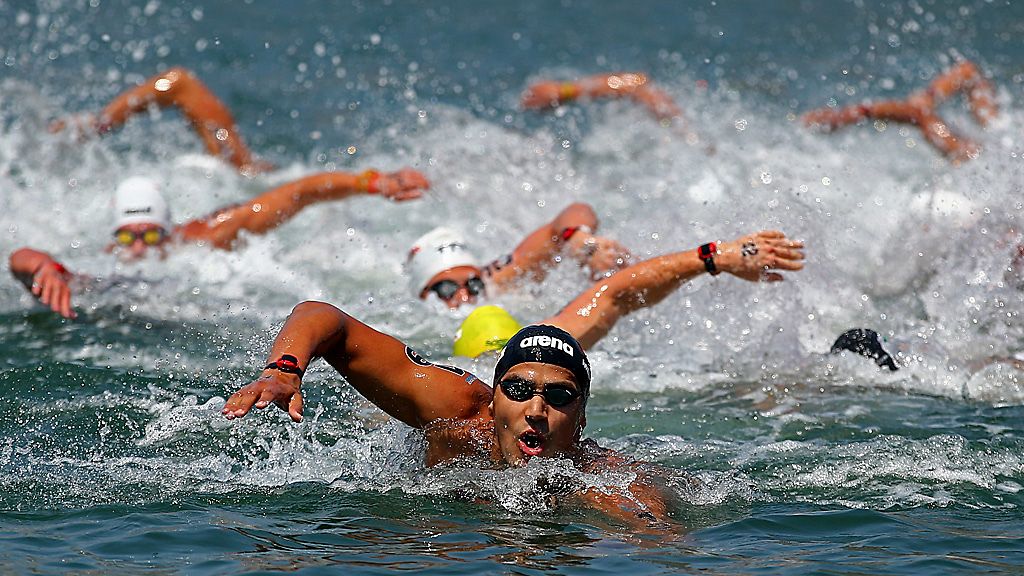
865, 342
537, 408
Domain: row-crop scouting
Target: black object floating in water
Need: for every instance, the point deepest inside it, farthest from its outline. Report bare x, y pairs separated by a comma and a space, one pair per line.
865, 342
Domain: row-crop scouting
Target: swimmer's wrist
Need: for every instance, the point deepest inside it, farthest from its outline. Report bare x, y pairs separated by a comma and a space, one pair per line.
567, 233
707, 253
369, 182
288, 364
568, 91
57, 267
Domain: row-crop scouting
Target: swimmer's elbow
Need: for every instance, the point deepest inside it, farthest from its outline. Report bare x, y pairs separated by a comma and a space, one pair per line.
315, 307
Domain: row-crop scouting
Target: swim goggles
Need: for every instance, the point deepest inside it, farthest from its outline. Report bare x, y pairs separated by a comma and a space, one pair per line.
445, 289
149, 236
521, 391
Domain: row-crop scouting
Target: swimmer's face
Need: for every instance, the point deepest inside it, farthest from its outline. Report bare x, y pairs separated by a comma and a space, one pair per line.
534, 427
455, 286
137, 241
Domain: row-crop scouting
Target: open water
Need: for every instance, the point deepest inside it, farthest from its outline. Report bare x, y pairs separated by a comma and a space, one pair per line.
113, 456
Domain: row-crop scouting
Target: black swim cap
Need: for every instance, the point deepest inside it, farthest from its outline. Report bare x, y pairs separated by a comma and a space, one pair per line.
547, 345
865, 342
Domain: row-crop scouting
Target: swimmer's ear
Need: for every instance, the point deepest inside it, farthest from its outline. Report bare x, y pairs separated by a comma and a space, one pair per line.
109, 248
490, 409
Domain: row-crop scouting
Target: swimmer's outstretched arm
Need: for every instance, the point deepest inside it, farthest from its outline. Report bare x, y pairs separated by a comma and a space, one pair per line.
571, 233
45, 278
919, 110
965, 77
180, 88
275, 207
593, 313
380, 367
549, 94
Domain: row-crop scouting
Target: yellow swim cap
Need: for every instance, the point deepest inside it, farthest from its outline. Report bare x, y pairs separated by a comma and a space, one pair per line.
486, 328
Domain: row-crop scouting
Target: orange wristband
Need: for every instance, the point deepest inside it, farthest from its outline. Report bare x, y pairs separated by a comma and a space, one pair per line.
568, 91
369, 181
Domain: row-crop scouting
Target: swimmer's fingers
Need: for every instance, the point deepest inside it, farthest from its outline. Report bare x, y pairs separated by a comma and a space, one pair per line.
273, 387
776, 262
83, 124
406, 184
295, 407
62, 302
241, 402
46, 293
771, 277
254, 167
542, 95
787, 253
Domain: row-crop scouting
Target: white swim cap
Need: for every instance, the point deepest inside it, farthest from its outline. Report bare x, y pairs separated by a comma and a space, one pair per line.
436, 251
138, 200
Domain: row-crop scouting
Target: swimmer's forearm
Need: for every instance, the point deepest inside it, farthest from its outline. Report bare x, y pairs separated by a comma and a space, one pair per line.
178, 87
592, 314
311, 331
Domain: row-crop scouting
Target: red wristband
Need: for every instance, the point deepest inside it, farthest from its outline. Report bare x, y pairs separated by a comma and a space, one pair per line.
572, 230
369, 181
56, 266
286, 363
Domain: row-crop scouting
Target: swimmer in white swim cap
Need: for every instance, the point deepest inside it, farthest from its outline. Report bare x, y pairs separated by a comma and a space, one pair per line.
142, 222
441, 262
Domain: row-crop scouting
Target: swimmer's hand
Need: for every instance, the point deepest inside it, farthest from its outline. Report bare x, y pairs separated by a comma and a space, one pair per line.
758, 256
272, 387
406, 184
50, 286
545, 94
603, 256
256, 166
84, 125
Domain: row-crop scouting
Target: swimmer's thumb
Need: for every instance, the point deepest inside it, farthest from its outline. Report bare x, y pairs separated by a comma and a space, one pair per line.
295, 407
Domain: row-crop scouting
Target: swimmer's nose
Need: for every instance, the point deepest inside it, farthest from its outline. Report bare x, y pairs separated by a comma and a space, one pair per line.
138, 249
536, 408
461, 297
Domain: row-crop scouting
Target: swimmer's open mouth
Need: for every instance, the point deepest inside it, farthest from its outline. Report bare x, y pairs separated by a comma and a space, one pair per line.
531, 443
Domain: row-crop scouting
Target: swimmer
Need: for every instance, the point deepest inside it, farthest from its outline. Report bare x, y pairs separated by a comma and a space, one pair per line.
919, 109
634, 85
537, 408
592, 314
441, 264
542, 377
142, 225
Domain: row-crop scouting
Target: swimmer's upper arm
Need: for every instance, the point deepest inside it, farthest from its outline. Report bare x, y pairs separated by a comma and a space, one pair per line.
401, 382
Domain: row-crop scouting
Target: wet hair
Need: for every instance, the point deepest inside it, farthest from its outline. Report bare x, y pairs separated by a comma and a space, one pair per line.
865, 342
547, 345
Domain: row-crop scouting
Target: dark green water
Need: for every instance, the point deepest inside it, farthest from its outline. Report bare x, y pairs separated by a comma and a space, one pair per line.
114, 458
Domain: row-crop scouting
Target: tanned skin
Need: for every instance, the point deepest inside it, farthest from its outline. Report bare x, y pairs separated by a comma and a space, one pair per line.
462, 416
570, 234
50, 282
919, 110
